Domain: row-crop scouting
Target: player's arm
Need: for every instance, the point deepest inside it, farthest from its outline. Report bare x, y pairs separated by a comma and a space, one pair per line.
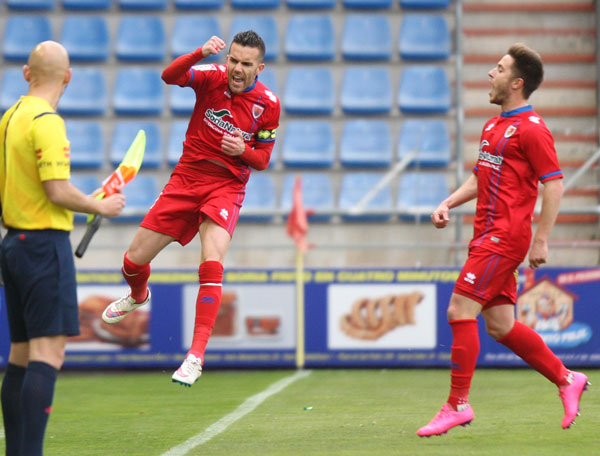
466, 192
551, 196
257, 157
65, 194
177, 71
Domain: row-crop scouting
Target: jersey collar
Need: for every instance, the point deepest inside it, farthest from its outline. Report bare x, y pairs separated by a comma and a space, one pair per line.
252, 86
517, 111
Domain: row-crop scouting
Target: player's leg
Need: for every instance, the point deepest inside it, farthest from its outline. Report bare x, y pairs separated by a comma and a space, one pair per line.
215, 242
462, 314
145, 246
12, 385
531, 348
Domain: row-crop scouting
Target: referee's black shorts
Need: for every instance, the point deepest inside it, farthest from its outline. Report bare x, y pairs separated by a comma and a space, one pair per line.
39, 284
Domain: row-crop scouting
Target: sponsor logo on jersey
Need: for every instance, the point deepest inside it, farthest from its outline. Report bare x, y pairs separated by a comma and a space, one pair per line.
216, 118
470, 277
490, 126
487, 159
224, 213
257, 110
510, 131
534, 119
204, 67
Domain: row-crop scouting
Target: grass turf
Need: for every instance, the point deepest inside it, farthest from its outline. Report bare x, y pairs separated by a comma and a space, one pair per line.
354, 412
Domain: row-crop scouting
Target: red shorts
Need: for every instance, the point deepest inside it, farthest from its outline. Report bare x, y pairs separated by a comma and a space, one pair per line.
190, 196
488, 278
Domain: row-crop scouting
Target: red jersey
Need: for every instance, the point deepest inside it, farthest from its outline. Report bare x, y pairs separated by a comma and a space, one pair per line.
254, 112
515, 153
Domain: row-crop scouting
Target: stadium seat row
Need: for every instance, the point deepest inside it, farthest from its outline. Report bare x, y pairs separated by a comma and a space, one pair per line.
217, 4
422, 89
307, 37
416, 192
363, 143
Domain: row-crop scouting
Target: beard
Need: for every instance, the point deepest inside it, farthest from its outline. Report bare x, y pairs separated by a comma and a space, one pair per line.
498, 95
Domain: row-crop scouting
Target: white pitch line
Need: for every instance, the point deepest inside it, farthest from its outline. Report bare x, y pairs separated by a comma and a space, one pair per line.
246, 407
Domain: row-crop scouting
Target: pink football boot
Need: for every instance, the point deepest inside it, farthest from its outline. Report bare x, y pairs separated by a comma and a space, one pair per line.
446, 419
570, 396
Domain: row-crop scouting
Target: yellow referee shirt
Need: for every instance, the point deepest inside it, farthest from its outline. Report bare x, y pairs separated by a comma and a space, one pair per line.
33, 148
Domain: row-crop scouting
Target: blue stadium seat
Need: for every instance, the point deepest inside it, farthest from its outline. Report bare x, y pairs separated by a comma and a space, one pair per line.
311, 4
13, 86
353, 189
87, 183
308, 143
175, 142
260, 197
124, 134
255, 4
366, 90
424, 4
86, 4
141, 38
140, 194
198, 4
274, 155
87, 144
269, 78
424, 90
420, 191
265, 26
181, 100
431, 140
86, 38
317, 195
143, 4
374, 42
367, 4
310, 37
424, 37
138, 91
22, 33
192, 31
86, 93
366, 143
31, 4
309, 91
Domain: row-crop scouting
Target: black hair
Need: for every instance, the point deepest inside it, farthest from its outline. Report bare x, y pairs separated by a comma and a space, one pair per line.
250, 38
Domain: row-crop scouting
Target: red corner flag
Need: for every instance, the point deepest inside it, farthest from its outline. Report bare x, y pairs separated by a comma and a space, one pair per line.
297, 223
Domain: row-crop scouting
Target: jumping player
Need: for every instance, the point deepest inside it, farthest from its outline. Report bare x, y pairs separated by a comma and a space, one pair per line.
515, 153
231, 130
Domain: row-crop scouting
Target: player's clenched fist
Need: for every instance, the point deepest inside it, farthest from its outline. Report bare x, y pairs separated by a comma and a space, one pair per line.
214, 45
233, 144
440, 216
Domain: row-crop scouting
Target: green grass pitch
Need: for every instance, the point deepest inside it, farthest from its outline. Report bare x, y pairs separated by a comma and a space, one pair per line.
354, 412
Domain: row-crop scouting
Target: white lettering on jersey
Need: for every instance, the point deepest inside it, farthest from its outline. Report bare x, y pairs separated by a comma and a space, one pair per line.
204, 67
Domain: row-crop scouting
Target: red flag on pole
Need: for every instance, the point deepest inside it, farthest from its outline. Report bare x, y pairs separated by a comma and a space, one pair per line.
297, 223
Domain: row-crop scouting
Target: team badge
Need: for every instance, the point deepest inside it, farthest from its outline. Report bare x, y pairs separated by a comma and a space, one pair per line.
257, 110
510, 131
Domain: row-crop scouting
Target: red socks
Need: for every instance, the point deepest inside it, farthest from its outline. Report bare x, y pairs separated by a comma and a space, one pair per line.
136, 275
528, 345
207, 305
465, 350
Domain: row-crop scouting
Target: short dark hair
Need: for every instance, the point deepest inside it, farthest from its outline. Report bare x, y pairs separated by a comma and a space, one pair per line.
528, 66
250, 38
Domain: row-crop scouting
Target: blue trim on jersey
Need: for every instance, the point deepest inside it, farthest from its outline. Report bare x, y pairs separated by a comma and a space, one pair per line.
516, 111
546, 176
265, 140
252, 86
191, 78
43, 114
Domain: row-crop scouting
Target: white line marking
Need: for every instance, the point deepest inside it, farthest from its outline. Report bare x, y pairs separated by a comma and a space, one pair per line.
246, 407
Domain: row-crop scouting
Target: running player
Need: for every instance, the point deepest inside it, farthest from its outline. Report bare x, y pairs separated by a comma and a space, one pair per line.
515, 153
231, 130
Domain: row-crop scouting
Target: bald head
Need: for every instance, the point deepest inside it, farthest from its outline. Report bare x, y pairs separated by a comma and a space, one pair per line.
48, 63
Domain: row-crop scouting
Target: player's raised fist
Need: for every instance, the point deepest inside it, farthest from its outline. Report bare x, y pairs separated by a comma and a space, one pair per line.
214, 45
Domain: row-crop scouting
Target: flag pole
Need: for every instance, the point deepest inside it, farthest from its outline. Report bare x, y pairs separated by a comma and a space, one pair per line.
300, 308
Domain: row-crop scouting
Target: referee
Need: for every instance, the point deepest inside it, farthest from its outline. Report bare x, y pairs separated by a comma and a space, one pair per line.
36, 257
